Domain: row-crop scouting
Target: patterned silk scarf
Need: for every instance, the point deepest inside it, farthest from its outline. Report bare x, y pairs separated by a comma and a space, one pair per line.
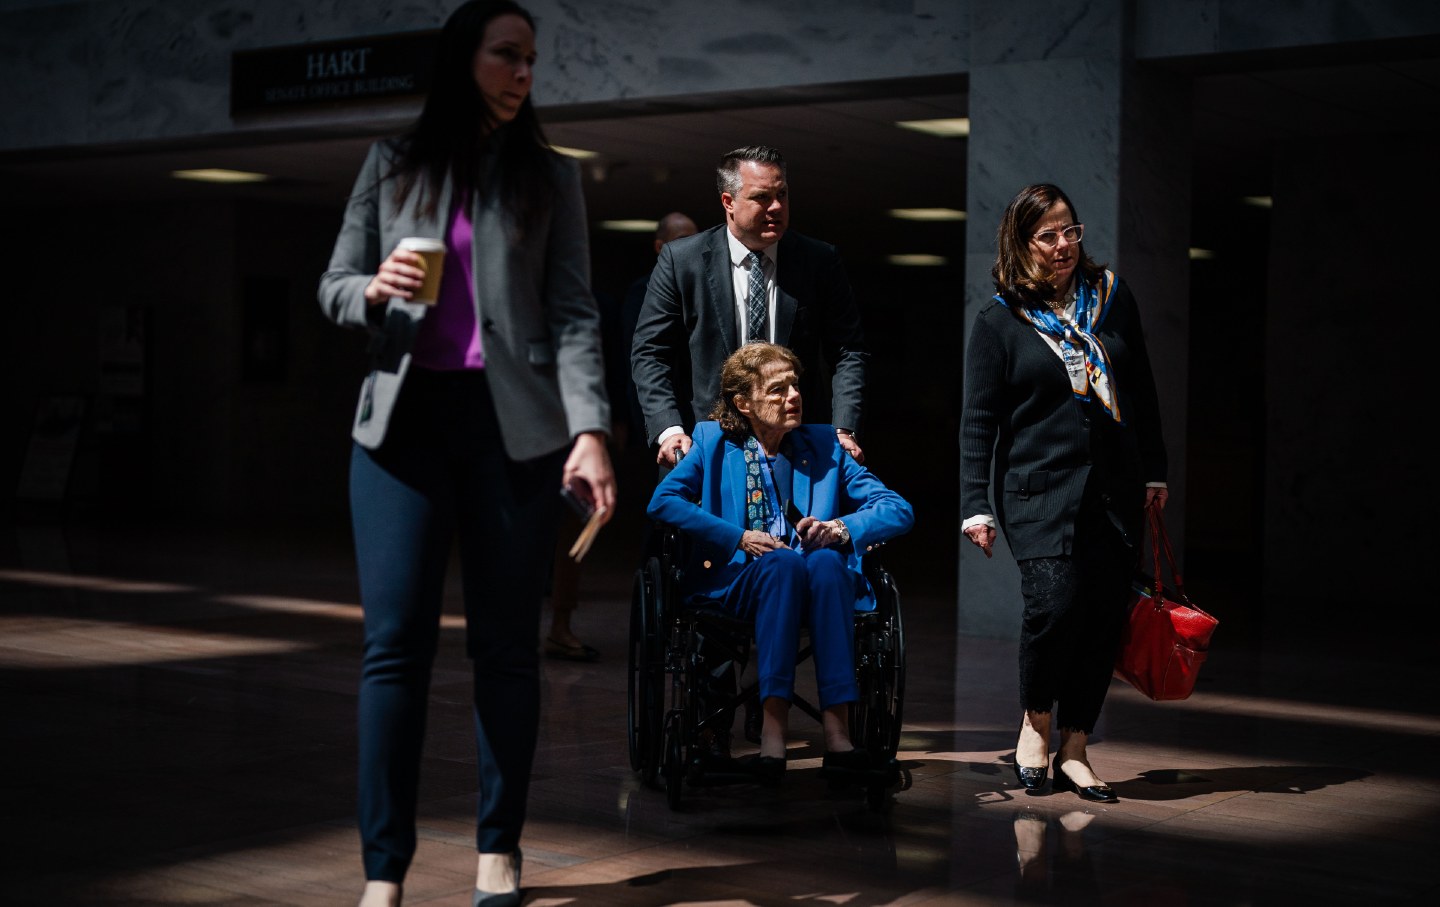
1092, 304
755, 510
762, 508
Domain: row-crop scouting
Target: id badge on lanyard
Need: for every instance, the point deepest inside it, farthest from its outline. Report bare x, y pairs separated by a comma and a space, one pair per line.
1074, 360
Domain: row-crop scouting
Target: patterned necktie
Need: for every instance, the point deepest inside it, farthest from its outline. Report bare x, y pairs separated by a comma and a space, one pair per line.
756, 307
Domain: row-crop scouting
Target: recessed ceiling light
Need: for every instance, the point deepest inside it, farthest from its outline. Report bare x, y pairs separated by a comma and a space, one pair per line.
1201, 254
630, 226
1259, 201
927, 214
950, 128
219, 175
580, 154
917, 260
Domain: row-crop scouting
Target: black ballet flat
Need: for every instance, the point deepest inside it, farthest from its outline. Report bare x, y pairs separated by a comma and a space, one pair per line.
1099, 793
1031, 778
768, 770
849, 762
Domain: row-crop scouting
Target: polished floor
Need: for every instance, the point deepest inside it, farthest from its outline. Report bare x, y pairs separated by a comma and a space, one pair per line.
178, 713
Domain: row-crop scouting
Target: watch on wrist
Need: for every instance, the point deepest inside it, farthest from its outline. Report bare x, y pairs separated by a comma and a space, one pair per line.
843, 532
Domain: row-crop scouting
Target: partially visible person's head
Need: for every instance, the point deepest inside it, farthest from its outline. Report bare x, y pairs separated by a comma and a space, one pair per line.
759, 383
671, 227
483, 64
481, 81
1038, 245
755, 195
503, 64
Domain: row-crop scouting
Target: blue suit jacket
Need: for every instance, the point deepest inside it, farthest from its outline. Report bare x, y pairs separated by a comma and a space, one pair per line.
704, 497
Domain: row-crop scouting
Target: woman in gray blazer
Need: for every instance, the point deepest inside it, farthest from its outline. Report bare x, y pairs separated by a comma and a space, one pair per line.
1060, 401
480, 405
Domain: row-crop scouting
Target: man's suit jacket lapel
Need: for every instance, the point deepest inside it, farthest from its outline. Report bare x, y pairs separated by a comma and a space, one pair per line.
720, 301
787, 272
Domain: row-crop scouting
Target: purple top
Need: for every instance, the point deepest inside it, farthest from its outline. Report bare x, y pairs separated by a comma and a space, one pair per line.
449, 337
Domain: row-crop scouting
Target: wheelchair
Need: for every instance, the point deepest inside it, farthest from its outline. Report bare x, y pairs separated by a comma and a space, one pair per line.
667, 713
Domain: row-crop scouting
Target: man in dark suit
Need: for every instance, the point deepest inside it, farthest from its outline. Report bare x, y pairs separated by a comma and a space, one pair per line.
747, 279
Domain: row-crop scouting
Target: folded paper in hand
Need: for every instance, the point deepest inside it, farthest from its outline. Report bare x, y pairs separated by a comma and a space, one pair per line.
587, 535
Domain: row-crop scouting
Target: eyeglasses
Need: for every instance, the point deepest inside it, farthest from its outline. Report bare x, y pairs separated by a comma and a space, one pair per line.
1049, 238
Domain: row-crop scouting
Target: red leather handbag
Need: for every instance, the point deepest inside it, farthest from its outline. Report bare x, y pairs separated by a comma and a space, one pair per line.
1167, 637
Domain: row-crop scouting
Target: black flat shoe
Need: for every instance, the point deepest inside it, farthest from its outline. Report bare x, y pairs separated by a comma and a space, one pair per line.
1031, 778
768, 770
554, 648
848, 761
1099, 793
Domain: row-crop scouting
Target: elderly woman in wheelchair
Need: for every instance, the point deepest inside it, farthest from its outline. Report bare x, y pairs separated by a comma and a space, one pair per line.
779, 517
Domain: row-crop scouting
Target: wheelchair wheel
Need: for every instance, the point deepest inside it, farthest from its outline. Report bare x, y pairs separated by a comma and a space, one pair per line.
880, 661
646, 672
674, 759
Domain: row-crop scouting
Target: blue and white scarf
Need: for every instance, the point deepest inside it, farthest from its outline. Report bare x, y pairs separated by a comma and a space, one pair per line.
1092, 304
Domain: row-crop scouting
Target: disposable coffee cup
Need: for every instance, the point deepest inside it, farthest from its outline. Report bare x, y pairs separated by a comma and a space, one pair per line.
433, 252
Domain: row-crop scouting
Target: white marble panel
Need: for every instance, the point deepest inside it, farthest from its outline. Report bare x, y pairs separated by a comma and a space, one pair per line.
43, 69
1228, 26
157, 69
604, 51
942, 35
1057, 122
116, 71
1175, 29
1012, 31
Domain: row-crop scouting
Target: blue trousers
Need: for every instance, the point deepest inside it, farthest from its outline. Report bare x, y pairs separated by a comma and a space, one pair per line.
784, 589
442, 476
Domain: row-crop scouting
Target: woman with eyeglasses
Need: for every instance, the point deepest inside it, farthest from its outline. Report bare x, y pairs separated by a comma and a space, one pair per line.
1060, 401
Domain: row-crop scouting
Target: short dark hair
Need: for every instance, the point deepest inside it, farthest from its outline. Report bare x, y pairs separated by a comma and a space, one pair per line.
1015, 274
738, 377
727, 174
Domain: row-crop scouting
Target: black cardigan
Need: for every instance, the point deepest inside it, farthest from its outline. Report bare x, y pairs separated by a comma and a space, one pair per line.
1020, 406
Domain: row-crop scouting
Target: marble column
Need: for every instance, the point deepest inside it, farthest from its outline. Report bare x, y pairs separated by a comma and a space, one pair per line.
1058, 98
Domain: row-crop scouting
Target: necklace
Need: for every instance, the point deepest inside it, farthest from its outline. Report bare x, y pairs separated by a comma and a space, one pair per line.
1056, 305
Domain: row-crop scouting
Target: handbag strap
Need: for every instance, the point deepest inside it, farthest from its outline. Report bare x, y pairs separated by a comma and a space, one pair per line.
1160, 540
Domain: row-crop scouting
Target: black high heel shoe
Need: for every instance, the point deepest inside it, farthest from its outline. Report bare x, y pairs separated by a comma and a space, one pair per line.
1099, 793
1030, 778
500, 898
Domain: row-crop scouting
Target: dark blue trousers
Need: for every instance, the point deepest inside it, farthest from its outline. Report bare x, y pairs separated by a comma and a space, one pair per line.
442, 477
782, 590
